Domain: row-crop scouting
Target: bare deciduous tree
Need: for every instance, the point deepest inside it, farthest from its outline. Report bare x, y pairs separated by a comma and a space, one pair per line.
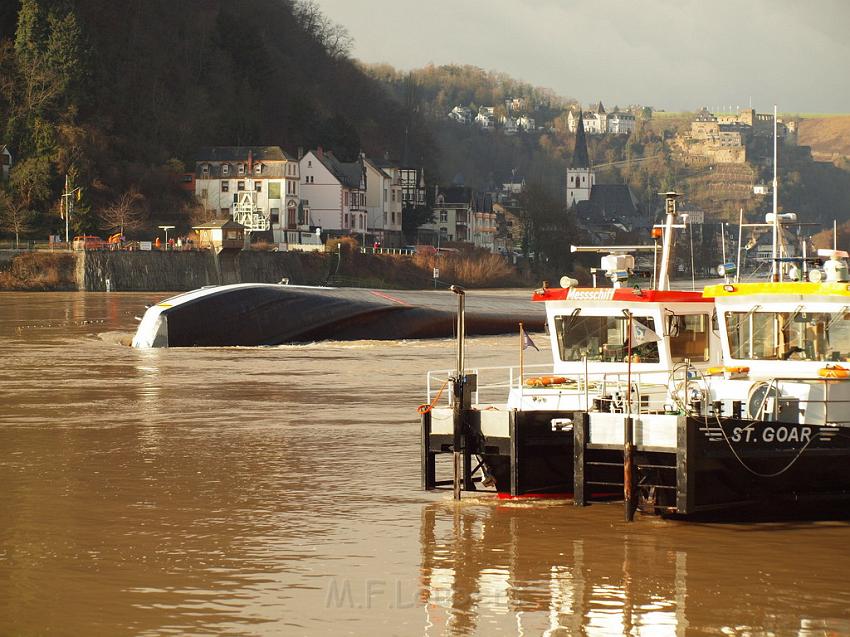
124, 213
15, 217
334, 37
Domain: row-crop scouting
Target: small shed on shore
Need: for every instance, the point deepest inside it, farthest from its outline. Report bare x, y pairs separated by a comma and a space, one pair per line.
220, 234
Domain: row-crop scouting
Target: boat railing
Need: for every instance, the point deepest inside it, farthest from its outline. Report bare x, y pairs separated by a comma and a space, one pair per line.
493, 383
649, 390
828, 410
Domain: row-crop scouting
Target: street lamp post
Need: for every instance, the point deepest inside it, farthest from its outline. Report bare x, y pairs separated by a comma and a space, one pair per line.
67, 206
166, 228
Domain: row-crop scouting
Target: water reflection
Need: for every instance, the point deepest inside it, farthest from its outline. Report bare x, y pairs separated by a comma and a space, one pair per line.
552, 571
507, 565
276, 491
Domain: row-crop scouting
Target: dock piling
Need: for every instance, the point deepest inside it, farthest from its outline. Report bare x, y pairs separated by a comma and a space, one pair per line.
579, 443
628, 470
460, 396
429, 461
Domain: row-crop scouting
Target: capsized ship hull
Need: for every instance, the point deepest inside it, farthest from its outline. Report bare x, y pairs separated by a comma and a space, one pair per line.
265, 314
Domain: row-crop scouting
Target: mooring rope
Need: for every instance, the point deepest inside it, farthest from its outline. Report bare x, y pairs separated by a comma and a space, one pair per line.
425, 408
776, 474
741, 461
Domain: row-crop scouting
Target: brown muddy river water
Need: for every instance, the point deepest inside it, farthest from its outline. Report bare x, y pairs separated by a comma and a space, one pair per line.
275, 491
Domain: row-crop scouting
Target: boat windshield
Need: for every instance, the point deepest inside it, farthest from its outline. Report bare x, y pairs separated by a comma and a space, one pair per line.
689, 337
796, 335
602, 338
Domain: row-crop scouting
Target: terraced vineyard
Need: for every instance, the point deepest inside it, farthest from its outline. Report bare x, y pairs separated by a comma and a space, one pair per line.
828, 136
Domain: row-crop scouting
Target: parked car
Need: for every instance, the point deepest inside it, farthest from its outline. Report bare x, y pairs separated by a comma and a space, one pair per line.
87, 242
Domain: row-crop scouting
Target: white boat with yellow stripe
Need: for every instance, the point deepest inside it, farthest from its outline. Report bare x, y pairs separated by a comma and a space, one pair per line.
774, 419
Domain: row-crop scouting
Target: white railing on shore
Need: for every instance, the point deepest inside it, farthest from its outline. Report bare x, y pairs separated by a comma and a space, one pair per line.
400, 251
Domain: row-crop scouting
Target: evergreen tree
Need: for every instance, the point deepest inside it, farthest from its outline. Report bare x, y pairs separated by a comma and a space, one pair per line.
65, 56
30, 34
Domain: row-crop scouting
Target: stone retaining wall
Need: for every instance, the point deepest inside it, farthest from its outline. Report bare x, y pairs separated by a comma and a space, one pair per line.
181, 271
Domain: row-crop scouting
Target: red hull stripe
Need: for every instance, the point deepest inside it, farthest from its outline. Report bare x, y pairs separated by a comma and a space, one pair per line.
388, 297
632, 295
568, 495
536, 496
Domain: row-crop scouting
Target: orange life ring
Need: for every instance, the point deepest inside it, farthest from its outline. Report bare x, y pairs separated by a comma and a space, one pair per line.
545, 381
834, 371
714, 371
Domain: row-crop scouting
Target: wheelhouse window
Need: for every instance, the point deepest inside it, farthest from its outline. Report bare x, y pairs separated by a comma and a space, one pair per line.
797, 335
602, 338
689, 337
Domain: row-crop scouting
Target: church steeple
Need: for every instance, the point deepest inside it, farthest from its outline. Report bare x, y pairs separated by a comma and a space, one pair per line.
580, 177
581, 158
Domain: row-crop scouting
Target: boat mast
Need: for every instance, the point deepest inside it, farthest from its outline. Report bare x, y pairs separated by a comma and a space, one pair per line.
777, 271
618, 264
667, 239
740, 235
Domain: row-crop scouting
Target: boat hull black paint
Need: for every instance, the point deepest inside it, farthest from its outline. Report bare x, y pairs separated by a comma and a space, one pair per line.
276, 314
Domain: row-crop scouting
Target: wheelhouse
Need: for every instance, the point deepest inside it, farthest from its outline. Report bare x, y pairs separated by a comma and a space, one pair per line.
591, 325
793, 328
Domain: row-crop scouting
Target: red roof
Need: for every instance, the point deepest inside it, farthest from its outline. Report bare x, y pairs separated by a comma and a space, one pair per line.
633, 295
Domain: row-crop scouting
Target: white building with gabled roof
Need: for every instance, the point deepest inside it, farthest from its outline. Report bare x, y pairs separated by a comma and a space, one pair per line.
334, 192
526, 123
383, 201
461, 114
597, 121
256, 186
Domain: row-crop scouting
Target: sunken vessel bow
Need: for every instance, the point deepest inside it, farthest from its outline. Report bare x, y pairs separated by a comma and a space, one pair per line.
264, 314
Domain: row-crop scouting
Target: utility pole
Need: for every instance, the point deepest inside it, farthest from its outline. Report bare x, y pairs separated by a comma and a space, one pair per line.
66, 211
67, 205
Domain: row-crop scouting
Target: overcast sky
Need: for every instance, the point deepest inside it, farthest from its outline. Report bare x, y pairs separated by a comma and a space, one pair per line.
672, 54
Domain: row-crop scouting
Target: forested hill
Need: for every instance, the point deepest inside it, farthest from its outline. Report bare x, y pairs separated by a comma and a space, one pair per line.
441, 88
110, 90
